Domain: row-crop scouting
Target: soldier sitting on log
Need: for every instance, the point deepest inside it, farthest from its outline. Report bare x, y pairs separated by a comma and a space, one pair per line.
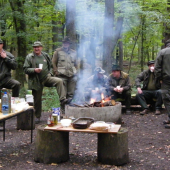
96, 84
118, 86
151, 89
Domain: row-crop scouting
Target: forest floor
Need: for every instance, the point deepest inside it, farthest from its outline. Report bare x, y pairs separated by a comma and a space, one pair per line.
149, 147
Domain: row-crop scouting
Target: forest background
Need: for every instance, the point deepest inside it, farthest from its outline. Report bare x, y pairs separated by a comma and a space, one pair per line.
124, 32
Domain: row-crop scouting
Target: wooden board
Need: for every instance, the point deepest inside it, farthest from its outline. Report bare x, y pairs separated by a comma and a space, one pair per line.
71, 129
12, 114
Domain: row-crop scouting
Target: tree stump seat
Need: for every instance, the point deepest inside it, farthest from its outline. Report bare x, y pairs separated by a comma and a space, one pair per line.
24, 120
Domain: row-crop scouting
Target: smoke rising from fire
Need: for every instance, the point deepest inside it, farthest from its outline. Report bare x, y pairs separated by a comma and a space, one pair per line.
89, 26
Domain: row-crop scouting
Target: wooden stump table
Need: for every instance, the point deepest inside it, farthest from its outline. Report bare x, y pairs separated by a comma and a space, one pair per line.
52, 144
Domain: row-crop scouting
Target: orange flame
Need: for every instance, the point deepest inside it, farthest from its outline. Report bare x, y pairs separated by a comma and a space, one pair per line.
102, 96
92, 100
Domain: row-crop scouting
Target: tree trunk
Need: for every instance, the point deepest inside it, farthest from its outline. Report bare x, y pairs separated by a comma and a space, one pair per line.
142, 43
108, 35
54, 34
166, 27
110, 38
121, 54
70, 21
20, 28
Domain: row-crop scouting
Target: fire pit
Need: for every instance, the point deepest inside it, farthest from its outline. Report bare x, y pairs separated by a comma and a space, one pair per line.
108, 113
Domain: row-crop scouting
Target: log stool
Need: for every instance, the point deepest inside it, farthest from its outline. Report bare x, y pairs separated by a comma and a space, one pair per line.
113, 148
24, 120
51, 146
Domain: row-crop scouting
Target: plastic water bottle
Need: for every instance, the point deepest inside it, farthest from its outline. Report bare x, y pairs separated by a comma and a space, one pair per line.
5, 104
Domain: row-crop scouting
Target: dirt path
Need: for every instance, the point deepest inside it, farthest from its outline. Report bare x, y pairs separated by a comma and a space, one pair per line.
149, 147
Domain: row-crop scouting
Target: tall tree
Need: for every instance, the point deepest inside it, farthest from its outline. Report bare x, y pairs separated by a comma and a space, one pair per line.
108, 35
166, 25
17, 7
70, 20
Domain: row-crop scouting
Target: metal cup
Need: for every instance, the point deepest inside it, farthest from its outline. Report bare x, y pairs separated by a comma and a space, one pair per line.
55, 117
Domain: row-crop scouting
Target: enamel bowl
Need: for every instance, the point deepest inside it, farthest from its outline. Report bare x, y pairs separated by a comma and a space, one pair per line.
66, 122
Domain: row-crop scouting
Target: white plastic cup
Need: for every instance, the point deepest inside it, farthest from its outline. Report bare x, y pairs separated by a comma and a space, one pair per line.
152, 69
118, 87
40, 66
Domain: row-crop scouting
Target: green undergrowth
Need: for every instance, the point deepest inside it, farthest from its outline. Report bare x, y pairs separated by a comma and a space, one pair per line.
50, 99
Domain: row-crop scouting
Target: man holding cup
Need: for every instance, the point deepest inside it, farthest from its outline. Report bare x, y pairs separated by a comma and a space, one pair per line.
119, 86
151, 89
38, 66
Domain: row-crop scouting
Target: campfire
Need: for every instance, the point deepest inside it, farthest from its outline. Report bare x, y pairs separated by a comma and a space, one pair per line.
105, 101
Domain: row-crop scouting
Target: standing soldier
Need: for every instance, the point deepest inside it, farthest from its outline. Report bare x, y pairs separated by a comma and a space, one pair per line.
162, 74
65, 67
8, 63
40, 77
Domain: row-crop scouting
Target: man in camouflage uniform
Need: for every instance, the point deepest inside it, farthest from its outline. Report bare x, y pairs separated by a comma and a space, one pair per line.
119, 86
149, 90
64, 66
162, 74
40, 77
96, 84
8, 63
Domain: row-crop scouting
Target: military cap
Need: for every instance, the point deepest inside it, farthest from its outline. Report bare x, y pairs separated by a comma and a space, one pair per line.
66, 40
99, 70
1, 42
116, 68
37, 44
151, 62
167, 42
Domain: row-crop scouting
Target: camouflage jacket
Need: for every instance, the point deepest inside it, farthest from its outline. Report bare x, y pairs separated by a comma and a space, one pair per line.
29, 66
64, 63
6, 65
124, 82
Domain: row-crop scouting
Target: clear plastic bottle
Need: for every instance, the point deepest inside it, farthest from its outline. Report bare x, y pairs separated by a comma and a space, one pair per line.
5, 104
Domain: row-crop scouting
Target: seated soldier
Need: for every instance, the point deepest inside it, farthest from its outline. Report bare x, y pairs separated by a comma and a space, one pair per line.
96, 84
119, 86
150, 89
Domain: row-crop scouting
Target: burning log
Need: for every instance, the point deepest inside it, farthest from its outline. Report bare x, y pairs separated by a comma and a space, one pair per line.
108, 103
96, 104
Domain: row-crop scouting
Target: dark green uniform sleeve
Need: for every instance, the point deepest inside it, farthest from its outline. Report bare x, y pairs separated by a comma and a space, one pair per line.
28, 65
158, 67
10, 61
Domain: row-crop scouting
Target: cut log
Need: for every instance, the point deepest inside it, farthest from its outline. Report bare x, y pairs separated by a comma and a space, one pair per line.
24, 120
113, 148
108, 103
51, 146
